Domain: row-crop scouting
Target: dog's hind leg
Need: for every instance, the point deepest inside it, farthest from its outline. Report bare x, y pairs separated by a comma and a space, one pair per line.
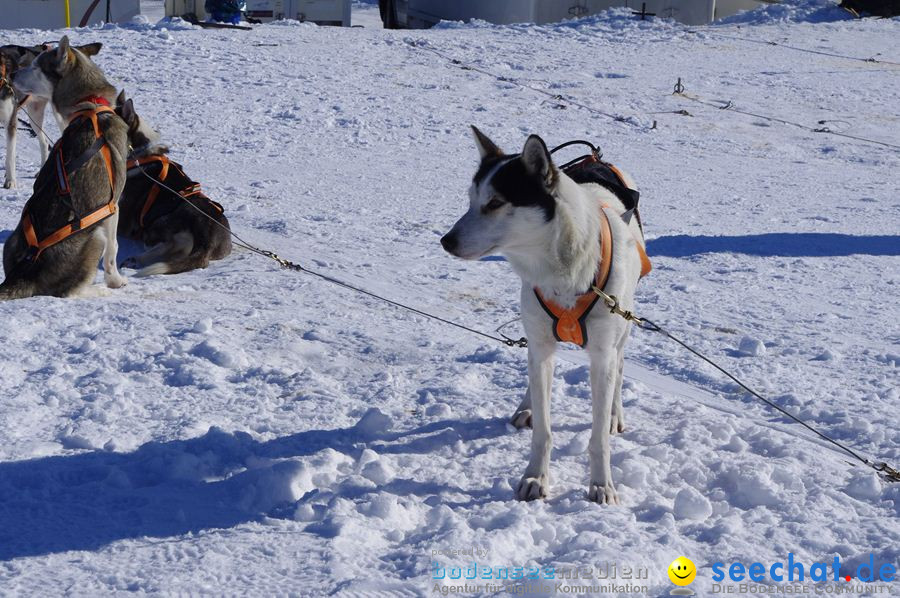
617, 422
522, 417
74, 277
9, 181
536, 481
604, 375
168, 257
111, 275
155, 254
17, 289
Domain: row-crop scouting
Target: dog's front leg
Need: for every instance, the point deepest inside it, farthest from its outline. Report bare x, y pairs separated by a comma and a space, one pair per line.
111, 275
9, 181
36, 109
536, 480
604, 374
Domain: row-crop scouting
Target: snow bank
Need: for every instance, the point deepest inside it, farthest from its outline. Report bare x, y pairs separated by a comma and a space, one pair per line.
790, 11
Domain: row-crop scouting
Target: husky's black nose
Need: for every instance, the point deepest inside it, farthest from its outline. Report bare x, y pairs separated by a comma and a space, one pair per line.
449, 242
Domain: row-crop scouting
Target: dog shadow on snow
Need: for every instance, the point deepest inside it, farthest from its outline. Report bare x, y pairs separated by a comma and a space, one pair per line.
776, 245
219, 480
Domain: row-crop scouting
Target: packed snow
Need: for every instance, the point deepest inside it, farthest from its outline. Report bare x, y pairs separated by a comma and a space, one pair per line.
247, 430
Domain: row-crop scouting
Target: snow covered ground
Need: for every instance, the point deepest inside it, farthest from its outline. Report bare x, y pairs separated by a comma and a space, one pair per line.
248, 430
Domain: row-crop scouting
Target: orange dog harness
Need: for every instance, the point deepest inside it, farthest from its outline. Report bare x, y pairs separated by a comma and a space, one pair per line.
5, 82
568, 324
64, 169
181, 184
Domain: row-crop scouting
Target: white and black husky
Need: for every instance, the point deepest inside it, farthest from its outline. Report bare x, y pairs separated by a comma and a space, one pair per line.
13, 58
549, 228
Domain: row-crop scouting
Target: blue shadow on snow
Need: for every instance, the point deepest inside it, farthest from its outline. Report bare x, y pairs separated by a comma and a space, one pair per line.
88, 500
777, 244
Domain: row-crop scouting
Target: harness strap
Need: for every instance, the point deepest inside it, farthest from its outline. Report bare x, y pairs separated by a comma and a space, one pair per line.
619, 187
155, 189
37, 247
646, 266
191, 190
568, 323
63, 169
5, 82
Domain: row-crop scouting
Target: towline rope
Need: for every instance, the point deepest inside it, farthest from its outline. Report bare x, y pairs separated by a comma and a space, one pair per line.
884, 470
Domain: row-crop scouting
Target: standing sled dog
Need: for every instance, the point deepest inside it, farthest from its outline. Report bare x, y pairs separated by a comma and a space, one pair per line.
71, 218
12, 58
563, 238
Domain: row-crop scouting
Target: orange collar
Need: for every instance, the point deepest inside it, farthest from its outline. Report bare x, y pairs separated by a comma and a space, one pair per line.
4, 80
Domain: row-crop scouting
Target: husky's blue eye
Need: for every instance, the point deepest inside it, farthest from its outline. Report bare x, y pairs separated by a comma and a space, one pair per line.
495, 204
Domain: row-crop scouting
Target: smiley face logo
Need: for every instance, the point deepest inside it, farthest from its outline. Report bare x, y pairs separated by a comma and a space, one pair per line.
682, 571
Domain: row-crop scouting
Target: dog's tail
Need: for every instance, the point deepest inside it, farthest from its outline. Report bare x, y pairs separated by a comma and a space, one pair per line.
18, 289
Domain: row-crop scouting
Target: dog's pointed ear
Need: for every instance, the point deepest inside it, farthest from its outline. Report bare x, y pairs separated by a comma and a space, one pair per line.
537, 160
90, 49
128, 113
62, 50
120, 99
486, 147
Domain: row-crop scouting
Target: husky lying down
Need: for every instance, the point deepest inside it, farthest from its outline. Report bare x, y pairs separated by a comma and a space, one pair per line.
165, 209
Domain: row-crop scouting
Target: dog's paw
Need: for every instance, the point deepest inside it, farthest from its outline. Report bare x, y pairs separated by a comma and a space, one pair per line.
616, 424
116, 281
9, 184
130, 262
532, 488
603, 494
521, 419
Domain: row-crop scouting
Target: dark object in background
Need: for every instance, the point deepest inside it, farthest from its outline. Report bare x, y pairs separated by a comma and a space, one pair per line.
873, 8
225, 11
388, 9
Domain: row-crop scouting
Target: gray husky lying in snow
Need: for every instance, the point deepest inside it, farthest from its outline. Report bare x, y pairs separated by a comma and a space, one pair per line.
558, 236
71, 218
165, 209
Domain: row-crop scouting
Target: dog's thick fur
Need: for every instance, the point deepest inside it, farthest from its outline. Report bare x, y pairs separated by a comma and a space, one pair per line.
66, 76
184, 235
548, 228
